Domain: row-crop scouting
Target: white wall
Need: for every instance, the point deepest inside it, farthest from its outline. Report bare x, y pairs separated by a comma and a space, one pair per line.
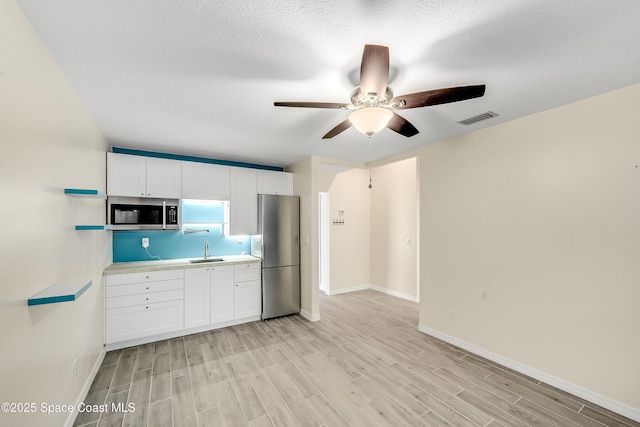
48, 142
312, 175
351, 242
394, 238
530, 231
377, 245
305, 186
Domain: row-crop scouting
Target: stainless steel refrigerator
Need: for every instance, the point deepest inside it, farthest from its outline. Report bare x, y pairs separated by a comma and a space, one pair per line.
278, 244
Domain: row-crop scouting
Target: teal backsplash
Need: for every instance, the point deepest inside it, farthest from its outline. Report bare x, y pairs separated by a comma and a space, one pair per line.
127, 245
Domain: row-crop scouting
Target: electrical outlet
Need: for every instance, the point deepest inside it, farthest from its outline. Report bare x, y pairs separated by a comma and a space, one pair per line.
74, 369
145, 242
452, 314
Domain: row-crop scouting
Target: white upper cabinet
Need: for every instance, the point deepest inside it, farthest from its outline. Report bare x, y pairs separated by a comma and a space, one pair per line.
243, 202
126, 175
205, 181
272, 182
139, 176
164, 178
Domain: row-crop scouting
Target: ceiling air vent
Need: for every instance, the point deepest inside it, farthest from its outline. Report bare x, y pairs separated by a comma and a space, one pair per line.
478, 118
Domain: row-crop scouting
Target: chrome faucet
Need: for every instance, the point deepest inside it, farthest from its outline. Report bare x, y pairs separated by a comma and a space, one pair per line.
206, 248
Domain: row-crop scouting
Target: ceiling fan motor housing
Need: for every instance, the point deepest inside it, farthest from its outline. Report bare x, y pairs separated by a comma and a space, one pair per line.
359, 99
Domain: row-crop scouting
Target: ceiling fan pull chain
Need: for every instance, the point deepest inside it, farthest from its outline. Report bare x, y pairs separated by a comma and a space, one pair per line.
370, 186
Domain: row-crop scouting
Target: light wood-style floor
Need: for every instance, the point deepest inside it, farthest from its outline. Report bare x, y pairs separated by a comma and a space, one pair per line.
363, 364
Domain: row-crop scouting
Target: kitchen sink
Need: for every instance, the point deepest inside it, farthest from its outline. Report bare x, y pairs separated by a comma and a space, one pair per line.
203, 260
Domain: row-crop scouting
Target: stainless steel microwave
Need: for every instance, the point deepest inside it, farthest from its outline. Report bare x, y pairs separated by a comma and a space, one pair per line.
137, 213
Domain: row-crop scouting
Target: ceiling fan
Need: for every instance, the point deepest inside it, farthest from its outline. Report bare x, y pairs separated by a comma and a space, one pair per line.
373, 102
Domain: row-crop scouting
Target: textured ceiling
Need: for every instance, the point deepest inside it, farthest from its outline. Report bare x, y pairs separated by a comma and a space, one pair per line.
200, 77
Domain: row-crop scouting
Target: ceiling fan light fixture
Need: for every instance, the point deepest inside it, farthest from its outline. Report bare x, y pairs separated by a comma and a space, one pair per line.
370, 120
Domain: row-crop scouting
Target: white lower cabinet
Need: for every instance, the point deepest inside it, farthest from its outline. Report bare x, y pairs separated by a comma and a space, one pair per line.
248, 292
248, 301
214, 295
197, 297
222, 294
139, 305
133, 322
142, 305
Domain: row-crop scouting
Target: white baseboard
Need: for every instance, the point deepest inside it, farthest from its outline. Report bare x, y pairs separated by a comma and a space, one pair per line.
394, 293
85, 388
346, 290
586, 394
309, 316
374, 288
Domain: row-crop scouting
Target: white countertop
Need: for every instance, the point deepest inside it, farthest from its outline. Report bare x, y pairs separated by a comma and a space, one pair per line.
171, 264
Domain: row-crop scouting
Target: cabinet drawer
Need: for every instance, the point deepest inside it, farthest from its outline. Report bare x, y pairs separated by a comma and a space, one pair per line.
142, 321
145, 276
144, 299
143, 288
245, 272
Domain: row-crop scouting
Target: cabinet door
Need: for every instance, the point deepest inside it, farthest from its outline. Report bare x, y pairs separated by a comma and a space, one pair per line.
222, 294
243, 202
164, 178
128, 323
126, 175
197, 297
205, 181
248, 299
272, 182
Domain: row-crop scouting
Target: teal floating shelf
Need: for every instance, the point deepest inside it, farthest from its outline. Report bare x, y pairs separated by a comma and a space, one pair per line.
91, 194
94, 227
78, 192
60, 292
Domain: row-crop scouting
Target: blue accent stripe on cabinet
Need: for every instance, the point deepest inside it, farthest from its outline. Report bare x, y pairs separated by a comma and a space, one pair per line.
170, 156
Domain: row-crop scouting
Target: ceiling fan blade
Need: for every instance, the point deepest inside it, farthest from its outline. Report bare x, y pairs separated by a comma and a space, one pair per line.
334, 105
402, 126
374, 70
437, 96
338, 129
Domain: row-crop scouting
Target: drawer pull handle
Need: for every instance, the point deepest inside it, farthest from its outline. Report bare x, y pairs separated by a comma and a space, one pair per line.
147, 288
147, 299
147, 307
